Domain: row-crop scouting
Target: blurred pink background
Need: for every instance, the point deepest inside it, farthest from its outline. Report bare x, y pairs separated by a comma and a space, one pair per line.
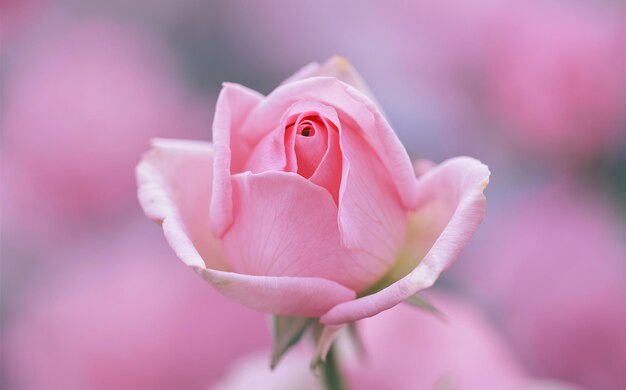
92, 296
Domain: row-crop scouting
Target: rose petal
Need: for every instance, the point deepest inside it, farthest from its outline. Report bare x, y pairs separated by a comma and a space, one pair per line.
390, 150
234, 103
458, 184
285, 225
371, 216
174, 180
353, 106
316, 157
328, 173
280, 295
175, 188
310, 149
336, 66
269, 154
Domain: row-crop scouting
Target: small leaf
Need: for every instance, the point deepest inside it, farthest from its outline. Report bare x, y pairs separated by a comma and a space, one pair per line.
424, 304
286, 332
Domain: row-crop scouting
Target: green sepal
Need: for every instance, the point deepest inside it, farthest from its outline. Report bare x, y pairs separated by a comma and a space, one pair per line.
324, 364
424, 304
286, 332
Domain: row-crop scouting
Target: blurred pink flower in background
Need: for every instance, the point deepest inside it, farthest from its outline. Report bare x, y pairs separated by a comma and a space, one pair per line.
547, 74
125, 316
555, 76
406, 349
16, 16
81, 103
251, 372
551, 269
405, 70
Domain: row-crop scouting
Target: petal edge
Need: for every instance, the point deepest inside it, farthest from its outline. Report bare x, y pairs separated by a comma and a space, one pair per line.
471, 177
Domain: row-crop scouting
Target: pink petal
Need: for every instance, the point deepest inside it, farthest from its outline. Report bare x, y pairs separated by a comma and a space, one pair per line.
285, 225
455, 189
336, 66
355, 109
317, 156
371, 216
234, 103
269, 153
175, 189
390, 150
328, 173
174, 181
280, 295
310, 150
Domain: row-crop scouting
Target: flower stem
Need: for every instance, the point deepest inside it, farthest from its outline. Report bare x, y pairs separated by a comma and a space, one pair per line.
331, 374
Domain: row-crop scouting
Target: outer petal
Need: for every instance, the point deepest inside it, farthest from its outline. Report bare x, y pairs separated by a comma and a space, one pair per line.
233, 106
354, 107
285, 225
336, 66
174, 181
389, 149
453, 191
281, 295
175, 188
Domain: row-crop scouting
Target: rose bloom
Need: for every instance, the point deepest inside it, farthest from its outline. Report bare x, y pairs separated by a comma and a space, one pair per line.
307, 204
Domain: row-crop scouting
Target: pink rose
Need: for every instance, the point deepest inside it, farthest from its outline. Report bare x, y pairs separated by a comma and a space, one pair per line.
307, 204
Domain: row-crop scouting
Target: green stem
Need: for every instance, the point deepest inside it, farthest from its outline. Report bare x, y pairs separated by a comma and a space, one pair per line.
331, 374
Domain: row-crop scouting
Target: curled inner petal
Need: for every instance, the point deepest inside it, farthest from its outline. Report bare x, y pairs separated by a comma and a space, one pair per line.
310, 144
305, 142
